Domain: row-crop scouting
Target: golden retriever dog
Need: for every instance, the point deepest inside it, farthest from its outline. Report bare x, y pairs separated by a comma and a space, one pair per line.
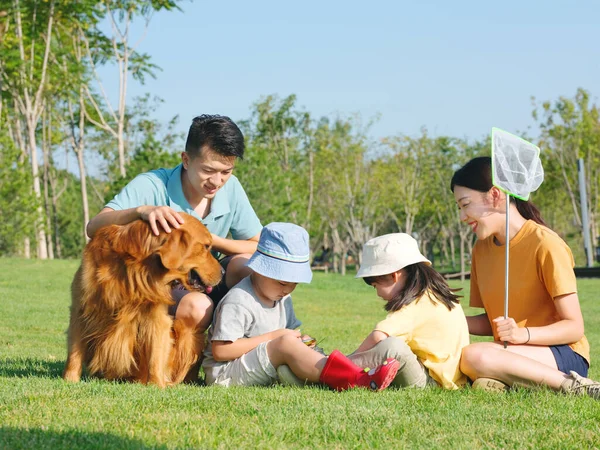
120, 327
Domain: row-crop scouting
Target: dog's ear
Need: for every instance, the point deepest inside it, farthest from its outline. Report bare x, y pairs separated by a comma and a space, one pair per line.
174, 249
134, 239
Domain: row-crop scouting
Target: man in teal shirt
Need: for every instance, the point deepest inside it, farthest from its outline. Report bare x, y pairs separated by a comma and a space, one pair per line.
203, 186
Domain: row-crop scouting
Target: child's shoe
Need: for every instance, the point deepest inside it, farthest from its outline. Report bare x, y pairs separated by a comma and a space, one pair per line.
578, 385
490, 385
340, 373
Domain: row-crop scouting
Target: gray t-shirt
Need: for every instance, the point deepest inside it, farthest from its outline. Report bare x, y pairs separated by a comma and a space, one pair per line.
241, 315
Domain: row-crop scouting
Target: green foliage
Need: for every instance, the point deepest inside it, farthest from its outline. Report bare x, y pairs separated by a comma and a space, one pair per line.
155, 145
325, 174
275, 167
69, 226
40, 410
17, 204
570, 130
107, 48
62, 77
348, 201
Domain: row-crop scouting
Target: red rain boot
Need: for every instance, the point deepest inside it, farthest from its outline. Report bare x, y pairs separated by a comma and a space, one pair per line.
340, 373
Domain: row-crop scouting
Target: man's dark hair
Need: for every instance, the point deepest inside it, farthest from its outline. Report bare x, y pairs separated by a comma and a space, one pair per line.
219, 133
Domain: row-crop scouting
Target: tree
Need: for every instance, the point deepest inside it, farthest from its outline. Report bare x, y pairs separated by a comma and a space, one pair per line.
17, 205
346, 198
118, 48
277, 169
154, 144
571, 130
26, 76
406, 166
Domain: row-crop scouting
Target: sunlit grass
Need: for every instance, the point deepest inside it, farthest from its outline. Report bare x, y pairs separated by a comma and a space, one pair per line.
39, 410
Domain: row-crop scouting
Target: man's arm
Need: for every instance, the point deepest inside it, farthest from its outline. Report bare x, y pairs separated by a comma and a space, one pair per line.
233, 246
158, 216
109, 216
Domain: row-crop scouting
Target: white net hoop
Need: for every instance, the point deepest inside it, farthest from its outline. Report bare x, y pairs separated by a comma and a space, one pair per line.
516, 165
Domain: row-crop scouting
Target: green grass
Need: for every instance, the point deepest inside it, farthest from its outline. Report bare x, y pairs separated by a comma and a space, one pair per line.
39, 410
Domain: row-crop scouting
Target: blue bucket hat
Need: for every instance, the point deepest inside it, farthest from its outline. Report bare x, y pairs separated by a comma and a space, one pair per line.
282, 253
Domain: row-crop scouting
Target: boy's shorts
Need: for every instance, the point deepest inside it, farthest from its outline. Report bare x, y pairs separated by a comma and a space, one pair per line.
216, 295
567, 359
251, 369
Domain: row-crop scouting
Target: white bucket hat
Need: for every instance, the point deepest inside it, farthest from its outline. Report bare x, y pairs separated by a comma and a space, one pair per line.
389, 253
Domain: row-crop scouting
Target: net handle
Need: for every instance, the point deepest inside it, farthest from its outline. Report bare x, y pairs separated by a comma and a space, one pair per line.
506, 254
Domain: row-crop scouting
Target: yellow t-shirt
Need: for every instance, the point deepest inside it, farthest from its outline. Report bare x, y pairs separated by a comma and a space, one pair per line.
435, 334
540, 269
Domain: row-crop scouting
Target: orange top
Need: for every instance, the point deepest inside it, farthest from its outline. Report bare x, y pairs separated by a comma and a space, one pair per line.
540, 269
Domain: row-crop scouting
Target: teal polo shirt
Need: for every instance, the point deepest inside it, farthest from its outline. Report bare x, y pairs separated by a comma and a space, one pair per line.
230, 209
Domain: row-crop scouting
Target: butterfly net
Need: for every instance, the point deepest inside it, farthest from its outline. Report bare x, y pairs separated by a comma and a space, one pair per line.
516, 165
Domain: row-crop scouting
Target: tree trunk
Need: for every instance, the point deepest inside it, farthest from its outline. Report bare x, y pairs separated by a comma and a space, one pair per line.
78, 145
46, 143
462, 257
84, 196
311, 185
42, 246
444, 249
26, 248
470, 243
30, 103
54, 197
453, 249
121, 148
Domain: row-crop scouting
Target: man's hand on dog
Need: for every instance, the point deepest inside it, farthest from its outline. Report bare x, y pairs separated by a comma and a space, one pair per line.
163, 215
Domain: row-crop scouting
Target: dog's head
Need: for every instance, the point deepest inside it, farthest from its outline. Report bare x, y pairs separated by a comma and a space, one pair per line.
183, 255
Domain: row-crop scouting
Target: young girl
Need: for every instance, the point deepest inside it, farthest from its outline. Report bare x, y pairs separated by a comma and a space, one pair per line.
254, 329
544, 329
425, 329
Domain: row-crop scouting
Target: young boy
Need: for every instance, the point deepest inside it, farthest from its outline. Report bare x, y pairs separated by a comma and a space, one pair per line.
254, 328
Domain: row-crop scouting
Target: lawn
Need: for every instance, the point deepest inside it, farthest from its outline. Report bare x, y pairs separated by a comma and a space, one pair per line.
39, 410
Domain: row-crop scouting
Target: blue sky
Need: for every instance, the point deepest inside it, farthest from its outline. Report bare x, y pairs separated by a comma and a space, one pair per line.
455, 67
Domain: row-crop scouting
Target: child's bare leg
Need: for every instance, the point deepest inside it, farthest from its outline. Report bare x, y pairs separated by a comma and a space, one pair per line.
302, 360
527, 365
335, 370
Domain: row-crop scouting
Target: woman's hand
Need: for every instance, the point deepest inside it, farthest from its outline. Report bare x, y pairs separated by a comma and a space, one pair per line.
163, 215
509, 331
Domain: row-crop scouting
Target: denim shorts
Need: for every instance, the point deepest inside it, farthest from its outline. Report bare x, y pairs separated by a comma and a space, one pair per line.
567, 359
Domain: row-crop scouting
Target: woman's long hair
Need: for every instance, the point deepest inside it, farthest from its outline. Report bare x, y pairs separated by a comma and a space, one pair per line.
420, 278
477, 175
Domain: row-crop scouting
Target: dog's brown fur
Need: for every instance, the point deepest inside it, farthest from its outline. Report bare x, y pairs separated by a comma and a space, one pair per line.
120, 327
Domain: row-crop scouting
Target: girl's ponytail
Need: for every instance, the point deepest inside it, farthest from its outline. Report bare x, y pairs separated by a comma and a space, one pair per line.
529, 211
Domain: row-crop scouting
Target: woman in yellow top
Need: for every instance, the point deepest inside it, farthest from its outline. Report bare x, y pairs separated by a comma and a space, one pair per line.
425, 329
544, 329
